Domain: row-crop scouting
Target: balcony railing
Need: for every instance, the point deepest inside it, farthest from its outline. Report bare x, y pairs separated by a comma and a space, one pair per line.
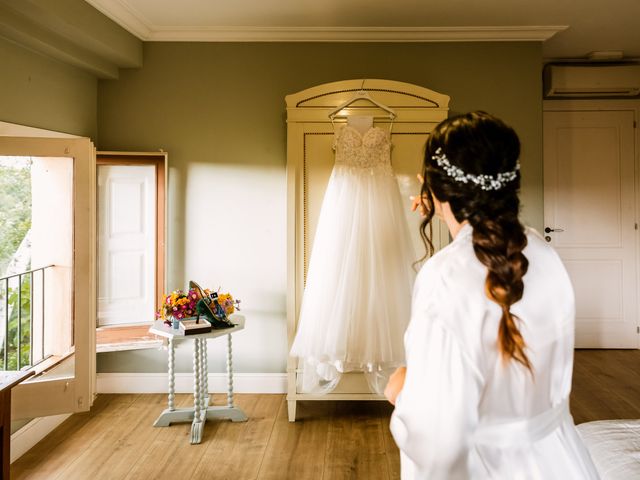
22, 317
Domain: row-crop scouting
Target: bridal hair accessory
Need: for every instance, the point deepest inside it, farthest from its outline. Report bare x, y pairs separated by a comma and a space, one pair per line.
485, 182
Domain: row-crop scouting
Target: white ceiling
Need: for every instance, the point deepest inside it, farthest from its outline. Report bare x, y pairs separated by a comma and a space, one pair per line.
582, 26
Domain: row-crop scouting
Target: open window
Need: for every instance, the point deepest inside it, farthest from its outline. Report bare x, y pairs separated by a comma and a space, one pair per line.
53, 332
131, 203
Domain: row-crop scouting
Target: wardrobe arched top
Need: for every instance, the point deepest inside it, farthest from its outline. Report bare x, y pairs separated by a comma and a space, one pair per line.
408, 100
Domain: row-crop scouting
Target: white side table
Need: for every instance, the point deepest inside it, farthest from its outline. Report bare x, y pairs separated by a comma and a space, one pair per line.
201, 411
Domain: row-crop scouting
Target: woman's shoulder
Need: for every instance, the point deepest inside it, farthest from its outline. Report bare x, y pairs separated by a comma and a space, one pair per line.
437, 267
534, 236
452, 258
539, 249
453, 275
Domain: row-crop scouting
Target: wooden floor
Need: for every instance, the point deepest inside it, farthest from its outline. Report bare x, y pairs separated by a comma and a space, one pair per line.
606, 385
331, 440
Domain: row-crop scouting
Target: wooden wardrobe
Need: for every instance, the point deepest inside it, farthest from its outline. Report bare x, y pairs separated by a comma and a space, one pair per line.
310, 160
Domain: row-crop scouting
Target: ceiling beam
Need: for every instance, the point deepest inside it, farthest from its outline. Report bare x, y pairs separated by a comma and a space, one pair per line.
70, 31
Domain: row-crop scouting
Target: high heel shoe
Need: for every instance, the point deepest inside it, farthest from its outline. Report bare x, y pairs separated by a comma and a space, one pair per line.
208, 307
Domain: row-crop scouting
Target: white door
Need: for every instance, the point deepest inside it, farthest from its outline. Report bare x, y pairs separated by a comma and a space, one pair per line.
589, 200
126, 244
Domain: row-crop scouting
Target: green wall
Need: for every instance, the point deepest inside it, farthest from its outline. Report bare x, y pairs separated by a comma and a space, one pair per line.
218, 110
38, 91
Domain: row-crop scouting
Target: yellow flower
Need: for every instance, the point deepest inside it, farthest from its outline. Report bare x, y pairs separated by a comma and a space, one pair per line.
226, 300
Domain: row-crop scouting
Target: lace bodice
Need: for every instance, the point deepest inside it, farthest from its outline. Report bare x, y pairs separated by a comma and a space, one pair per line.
368, 150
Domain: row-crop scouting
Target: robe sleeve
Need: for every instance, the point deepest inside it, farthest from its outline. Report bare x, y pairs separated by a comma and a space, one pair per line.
436, 412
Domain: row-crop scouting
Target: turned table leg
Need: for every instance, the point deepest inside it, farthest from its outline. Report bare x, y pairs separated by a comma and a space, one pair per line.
201, 410
205, 367
229, 372
204, 388
198, 423
172, 376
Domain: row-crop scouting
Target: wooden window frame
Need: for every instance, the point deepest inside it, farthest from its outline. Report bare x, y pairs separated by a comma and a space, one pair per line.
65, 391
126, 341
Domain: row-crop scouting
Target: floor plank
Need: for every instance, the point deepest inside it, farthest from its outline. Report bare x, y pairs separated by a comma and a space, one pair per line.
221, 443
329, 441
237, 449
169, 453
355, 443
391, 449
297, 450
111, 453
61, 447
606, 385
128, 448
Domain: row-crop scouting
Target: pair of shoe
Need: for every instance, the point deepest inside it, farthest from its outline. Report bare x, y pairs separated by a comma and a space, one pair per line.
208, 307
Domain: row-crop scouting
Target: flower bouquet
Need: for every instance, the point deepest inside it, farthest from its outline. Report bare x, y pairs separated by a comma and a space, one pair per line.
177, 306
197, 302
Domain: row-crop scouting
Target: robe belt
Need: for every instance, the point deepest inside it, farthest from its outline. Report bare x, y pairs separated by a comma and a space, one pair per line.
522, 432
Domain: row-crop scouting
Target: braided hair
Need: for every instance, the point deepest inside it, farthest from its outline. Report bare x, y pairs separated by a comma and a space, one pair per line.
480, 144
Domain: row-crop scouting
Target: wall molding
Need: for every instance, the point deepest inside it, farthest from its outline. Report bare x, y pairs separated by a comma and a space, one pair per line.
354, 34
24, 439
135, 22
157, 382
124, 15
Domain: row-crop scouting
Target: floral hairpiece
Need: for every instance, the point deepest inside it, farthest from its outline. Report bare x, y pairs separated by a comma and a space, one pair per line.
485, 182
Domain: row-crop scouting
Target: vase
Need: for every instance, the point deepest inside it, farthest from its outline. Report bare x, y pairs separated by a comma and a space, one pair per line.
175, 323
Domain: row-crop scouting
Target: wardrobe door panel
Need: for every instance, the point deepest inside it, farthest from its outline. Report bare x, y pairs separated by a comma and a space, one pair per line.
317, 166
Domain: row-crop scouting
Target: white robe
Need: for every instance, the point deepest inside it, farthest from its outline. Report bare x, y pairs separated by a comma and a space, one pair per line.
463, 413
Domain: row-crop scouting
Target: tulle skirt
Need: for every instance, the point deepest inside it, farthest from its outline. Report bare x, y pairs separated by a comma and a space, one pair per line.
357, 298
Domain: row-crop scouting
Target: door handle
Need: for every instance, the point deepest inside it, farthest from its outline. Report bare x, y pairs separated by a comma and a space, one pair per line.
549, 230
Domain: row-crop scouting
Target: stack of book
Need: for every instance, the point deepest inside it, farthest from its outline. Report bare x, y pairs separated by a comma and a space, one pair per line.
194, 327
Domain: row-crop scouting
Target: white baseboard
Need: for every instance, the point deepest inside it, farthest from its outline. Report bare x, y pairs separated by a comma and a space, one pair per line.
34, 431
157, 382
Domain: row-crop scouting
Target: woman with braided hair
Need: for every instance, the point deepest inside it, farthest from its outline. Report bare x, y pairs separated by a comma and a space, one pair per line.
489, 348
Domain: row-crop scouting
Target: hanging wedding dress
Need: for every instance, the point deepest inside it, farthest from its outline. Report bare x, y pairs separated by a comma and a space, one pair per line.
356, 303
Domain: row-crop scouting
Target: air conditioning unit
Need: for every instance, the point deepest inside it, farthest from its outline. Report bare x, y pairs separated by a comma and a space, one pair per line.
575, 81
